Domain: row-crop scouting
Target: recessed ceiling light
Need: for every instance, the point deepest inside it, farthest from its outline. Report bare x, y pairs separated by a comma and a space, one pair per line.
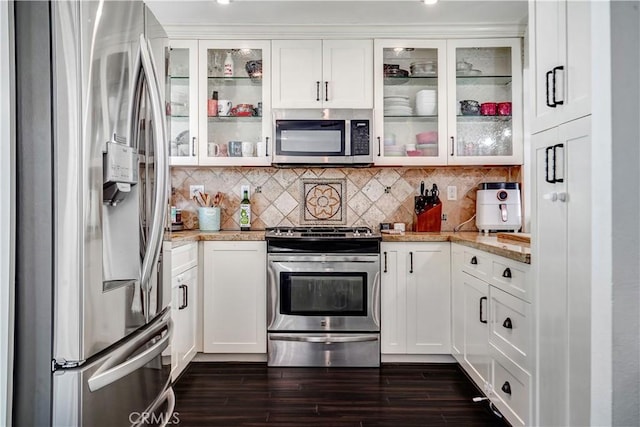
430, 1
223, 1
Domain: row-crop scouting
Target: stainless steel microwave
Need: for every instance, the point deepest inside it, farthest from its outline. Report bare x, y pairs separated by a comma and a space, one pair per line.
323, 142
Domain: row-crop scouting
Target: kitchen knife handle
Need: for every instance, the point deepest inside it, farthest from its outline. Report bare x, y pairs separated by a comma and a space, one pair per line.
481, 314
411, 262
326, 91
549, 104
385, 262
553, 98
379, 147
318, 91
474, 260
453, 140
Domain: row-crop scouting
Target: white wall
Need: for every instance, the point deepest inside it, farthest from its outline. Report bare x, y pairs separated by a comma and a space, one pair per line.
7, 225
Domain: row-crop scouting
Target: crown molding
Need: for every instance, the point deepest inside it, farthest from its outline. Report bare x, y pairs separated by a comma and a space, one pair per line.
280, 31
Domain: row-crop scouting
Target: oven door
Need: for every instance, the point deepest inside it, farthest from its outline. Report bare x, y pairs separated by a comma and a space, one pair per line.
324, 293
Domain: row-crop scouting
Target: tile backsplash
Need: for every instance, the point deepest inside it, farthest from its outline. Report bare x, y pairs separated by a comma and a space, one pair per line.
370, 195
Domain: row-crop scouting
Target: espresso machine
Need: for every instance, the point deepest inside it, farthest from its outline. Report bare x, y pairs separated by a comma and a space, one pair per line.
498, 207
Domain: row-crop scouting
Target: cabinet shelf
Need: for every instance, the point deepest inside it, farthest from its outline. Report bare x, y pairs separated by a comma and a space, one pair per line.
175, 116
484, 80
235, 81
411, 80
477, 119
179, 77
395, 118
234, 118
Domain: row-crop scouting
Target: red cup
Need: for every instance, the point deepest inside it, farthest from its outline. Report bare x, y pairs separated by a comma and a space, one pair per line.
504, 108
488, 109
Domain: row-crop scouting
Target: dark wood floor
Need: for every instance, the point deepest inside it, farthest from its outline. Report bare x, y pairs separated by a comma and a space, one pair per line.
225, 394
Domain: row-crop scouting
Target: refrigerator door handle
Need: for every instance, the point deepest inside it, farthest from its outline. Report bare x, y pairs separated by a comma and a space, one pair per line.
169, 397
161, 166
120, 365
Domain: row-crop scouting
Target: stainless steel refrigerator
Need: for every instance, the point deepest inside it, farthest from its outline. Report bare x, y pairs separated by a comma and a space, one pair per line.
91, 319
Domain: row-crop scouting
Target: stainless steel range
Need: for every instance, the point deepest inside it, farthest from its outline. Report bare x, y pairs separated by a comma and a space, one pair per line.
323, 296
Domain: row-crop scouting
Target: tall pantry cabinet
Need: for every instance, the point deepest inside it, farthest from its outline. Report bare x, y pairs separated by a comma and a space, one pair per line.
561, 205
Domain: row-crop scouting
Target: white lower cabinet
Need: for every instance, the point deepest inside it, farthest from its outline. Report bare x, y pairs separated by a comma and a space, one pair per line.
492, 328
416, 295
182, 267
235, 297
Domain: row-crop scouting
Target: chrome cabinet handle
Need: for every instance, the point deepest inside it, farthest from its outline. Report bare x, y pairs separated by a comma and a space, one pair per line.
481, 313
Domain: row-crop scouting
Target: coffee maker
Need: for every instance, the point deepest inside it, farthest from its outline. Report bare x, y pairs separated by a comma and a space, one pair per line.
498, 207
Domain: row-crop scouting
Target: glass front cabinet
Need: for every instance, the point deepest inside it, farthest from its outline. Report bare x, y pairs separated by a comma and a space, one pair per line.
448, 102
182, 109
410, 102
485, 102
234, 103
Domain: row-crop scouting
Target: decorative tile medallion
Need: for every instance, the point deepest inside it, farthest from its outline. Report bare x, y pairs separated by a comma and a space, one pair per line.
324, 201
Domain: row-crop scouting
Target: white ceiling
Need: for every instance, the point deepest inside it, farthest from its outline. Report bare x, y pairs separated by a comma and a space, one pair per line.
339, 12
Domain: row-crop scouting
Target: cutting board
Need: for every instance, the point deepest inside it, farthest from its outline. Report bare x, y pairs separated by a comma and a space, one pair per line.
517, 237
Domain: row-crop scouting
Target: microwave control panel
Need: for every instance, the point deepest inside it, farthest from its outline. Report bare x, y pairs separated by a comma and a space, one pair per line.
360, 145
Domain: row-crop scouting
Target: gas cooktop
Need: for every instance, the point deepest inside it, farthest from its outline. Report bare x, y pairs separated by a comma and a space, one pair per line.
321, 233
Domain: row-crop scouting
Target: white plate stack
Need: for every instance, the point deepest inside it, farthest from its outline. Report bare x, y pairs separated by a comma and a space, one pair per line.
427, 102
397, 106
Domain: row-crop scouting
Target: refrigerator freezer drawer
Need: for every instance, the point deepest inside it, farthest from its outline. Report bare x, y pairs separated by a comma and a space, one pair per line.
120, 387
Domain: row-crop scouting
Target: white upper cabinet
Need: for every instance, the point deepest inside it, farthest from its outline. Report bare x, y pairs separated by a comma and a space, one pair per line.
449, 102
182, 116
560, 56
322, 73
238, 131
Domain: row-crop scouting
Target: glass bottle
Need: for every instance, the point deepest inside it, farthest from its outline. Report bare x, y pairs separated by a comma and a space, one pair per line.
228, 65
212, 105
245, 212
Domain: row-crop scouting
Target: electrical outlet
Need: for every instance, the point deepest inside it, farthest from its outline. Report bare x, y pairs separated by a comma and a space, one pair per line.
452, 192
246, 188
194, 189
444, 217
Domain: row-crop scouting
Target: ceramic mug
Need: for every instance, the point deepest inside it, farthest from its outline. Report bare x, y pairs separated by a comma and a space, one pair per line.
248, 149
224, 107
218, 150
261, 149
235, 148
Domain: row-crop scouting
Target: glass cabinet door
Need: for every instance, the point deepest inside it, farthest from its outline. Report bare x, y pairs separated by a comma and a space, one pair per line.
485, 103
235, 125
410, 102
181, 110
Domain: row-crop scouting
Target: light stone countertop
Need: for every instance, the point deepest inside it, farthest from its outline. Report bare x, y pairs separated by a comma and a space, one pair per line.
486, 242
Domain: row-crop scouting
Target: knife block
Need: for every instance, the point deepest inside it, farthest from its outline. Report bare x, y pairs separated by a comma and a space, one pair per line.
430, 219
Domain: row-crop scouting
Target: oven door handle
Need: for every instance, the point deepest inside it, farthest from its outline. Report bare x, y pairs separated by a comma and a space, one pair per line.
325, 340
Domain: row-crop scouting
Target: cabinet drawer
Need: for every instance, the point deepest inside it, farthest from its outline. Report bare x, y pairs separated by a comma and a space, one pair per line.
511, 277
183, 258
477, 264
511, 389
510, 327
